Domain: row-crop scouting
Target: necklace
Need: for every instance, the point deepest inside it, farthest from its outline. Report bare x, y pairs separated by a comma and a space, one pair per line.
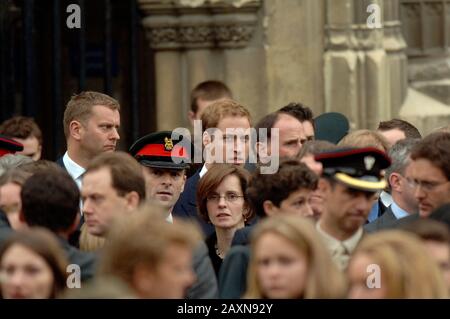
218, 253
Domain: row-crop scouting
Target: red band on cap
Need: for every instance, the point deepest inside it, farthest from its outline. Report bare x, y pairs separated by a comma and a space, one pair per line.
159, 150
4, 152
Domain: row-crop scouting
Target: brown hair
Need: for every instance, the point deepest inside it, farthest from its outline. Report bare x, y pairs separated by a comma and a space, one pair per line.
126, 173
43, 243
291, 176
212, 179
324, 280
79, 108
315, 147
209, 91
435, 148
221, 109
21, 127
407, 270
16, 176
142, 238
365, 138
429, 229
299, 111
38, 166
410, 130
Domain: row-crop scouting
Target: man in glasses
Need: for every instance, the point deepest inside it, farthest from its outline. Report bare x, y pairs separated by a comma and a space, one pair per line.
430, 172
404, 203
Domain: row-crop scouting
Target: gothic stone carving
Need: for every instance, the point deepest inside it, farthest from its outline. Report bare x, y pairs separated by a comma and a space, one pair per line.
181, 24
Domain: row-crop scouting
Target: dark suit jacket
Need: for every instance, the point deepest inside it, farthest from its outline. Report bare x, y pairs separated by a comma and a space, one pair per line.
233, 273
399, 223
60, 162
386, 221
87, 261
74, 238
242, 236
205, 287
186, 206
5, 227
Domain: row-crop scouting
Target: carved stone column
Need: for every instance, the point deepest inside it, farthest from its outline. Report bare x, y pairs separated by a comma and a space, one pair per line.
191, 39
355, 62
397, 62
340, 64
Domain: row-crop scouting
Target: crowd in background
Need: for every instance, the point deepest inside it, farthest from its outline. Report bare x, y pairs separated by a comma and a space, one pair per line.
347, 214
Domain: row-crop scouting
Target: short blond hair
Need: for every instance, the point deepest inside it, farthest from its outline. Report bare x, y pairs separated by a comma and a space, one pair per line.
407, 270
79, 108
221, 109
142, 238
324, 280
365, 138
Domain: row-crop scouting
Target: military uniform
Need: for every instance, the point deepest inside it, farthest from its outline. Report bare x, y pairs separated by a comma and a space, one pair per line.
159, 150
358, 169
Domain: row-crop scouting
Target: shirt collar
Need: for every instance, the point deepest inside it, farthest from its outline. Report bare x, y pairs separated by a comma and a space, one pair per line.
386, 199
398, 212
203, 171
333, 243
75, 170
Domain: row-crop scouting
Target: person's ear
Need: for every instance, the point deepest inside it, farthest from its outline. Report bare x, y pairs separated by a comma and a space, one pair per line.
269, 208
143, 278
325, 185
262, 149
132, 200
395, 182
39, 152
206, 138
22, 217
192, 117
75, 130
75, 224
184, 182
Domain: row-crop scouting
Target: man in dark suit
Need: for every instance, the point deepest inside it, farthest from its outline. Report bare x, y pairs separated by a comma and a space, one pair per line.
429, 175
225, 127
91, 126
404, 204
50, 199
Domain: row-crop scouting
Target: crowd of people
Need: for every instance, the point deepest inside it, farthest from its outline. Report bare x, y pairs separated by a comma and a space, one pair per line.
345, 214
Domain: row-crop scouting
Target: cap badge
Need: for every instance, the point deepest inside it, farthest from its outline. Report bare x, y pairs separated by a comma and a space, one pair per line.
368, 162
168, 144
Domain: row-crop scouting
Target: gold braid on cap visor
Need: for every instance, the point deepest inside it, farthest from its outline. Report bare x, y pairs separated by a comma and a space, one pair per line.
351, 181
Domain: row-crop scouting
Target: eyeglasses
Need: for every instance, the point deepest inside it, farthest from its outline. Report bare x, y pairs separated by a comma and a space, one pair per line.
425, 185
229, 197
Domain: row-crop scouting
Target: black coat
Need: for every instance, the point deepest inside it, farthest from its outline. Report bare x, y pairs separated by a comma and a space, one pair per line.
233, 273
386, 221
186, 206
86, 260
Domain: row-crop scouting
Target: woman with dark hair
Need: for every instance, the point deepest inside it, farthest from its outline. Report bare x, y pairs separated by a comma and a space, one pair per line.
222, 201
32, 266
